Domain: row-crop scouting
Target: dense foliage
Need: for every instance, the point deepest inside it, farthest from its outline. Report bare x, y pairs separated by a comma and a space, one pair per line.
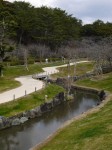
49, 26
98, 28
29, 33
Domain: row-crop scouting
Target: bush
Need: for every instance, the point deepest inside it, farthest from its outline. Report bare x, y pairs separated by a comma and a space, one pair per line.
15, 61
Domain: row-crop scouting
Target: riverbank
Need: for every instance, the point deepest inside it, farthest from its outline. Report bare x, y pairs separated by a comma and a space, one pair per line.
90, 130
29, 85
29, 101
78, 118
37, 130
36, 112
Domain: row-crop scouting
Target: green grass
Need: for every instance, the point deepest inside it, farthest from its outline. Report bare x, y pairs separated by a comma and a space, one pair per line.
28, 102
80, 69
101, 82
7, 82
93, 132
15, 71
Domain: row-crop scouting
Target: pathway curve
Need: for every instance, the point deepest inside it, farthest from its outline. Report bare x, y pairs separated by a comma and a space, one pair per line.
28, 84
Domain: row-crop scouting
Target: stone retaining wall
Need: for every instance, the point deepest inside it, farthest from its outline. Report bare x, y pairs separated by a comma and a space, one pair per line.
64, 81
84, 89
6, 122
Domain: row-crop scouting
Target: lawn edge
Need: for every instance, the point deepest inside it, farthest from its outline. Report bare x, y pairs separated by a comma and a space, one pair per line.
79, 117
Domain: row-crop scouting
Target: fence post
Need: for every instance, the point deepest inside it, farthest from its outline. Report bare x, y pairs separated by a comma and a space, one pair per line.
14, 97
35, 89
25, 93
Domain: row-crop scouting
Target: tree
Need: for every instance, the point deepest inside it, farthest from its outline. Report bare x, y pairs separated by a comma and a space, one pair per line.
6, 22
24, 18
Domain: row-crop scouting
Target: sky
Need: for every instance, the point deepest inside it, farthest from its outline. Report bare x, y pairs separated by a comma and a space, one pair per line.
86, 10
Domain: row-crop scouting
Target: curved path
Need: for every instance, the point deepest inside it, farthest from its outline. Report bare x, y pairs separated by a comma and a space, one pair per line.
28, 85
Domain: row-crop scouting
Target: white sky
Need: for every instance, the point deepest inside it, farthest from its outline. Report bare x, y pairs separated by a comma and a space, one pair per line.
86, 10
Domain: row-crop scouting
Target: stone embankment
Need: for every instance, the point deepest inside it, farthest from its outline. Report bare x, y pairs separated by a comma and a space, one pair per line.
6, 122
64, 83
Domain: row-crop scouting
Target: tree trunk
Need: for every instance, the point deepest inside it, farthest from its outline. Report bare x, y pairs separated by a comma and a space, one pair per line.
25, 59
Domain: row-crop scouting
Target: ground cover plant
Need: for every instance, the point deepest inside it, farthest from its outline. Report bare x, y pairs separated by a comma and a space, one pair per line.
80, 69
100, 82
7, 82
93, 132
30, 101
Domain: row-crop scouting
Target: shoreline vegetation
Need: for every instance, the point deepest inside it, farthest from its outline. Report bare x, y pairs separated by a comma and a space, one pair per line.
11, 72
69, 122
30, 101
6, 108
90, 130
92, 126
51, 34
77, 70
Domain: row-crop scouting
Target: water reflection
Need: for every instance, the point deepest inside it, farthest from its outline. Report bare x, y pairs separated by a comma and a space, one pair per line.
36, 130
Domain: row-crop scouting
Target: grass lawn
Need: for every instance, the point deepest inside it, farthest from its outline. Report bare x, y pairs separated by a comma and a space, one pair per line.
100, 82
7, 82
80, 69
30, 101
93, 132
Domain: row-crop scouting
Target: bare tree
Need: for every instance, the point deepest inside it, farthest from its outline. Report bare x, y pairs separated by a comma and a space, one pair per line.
23, 55
25, 51
38, 51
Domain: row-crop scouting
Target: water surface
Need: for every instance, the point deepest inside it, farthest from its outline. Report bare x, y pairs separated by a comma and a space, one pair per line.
25, 136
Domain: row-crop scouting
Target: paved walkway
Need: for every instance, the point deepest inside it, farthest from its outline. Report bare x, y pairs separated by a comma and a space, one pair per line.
28, 85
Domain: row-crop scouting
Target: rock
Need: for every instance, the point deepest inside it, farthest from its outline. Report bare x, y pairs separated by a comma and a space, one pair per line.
49, 105
1, 121
62, 82
1, 117
25, 114
102, 95
32, 113
6, 122
1, 124
44, 108
23, 119
29, 114
56, 101
61, 96
16, 122
38, 111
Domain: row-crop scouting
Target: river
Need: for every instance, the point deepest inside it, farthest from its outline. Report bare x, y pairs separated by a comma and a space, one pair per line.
36, 130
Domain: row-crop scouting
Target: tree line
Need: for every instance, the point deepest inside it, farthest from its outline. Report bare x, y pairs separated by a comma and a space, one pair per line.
49, 26
26, 30
26, 24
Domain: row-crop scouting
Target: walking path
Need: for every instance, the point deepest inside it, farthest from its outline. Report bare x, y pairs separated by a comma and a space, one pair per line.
28, 84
